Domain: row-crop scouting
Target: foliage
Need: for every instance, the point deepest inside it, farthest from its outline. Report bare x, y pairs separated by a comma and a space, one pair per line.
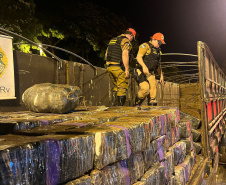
78, 26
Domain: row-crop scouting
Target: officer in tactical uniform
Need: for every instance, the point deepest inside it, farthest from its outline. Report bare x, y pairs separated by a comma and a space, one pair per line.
117, 61
148, 58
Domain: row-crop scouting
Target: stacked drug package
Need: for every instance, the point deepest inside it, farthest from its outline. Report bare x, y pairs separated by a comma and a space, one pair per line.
119, 145
48, 159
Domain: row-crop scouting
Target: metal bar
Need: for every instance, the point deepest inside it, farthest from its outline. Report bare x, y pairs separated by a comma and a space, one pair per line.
195, 62
215, 82
178, 65
29, 41
201, 65
214, 126
180, 54
181, 71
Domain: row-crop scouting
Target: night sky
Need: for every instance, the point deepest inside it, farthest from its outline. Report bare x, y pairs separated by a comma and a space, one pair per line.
183, 23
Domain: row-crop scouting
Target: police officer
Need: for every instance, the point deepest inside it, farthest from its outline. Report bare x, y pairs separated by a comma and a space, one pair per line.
117, 61
148, 58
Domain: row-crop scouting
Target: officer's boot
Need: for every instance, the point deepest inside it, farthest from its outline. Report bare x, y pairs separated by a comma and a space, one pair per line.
138, 101
121, 100
114, 98
151, 102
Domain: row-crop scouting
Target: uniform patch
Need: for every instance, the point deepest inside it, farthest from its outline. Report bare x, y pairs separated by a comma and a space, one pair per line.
143, 46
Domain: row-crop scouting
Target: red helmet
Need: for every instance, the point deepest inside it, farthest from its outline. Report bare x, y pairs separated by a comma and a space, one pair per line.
159, 36
132, 31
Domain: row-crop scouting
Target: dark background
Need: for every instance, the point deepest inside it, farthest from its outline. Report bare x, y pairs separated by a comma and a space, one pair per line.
183, 23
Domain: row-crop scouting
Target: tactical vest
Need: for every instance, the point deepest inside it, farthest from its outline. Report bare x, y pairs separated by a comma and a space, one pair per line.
114, 53
152, 61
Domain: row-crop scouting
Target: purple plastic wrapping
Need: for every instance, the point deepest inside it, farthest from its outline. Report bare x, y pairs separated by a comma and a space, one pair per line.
177, 134
46, 159
158, 147
187, 165
84, 180
148, 123
179, 152
185, 128
193, 155
67, 157
169, 138
168, 164
180, 175
155, 175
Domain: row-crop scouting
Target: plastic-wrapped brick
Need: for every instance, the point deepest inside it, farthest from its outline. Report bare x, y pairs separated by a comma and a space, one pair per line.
177, 134
173, 135
67, 157
185, 128
138, 132
175, 117
124, 172
84, 180
136, 167
193, 155
155, 175
168, 164
180, 177
169, 138
197, 135
148, 124
148, 155
187, 165
51, 159
156, 128
179, 151
222, 150
159, 149
196, 123
112, 144
198, 147
189, 144
117, 173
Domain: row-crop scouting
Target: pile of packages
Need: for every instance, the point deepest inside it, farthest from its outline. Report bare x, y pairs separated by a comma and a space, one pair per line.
120, 145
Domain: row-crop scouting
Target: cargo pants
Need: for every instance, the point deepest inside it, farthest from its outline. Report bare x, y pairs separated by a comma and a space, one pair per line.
117, 76
147, 85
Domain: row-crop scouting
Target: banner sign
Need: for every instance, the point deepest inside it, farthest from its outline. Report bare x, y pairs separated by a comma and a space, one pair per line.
7, 83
